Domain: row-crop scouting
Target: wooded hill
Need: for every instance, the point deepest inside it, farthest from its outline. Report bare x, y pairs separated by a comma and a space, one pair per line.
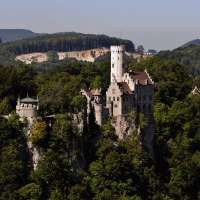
8, 35
192, 42
62, 42
187, 56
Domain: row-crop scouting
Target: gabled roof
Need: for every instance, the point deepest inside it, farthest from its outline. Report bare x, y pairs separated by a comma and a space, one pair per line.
196, 90
94, 92
125, 87
141, 77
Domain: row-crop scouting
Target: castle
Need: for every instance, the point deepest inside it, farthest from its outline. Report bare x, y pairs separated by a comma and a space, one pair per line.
27, 108
127, 90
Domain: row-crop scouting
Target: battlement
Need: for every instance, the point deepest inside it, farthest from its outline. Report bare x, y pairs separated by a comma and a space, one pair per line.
117, 49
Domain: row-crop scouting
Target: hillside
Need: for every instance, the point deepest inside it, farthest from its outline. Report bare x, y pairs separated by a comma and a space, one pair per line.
87, 55
8, 35
64, 42
193, 42
187, 56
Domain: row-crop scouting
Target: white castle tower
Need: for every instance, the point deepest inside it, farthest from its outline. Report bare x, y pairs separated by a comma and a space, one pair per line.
117, 63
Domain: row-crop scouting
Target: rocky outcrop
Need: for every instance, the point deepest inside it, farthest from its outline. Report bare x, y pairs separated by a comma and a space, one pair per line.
89, 55
123, 127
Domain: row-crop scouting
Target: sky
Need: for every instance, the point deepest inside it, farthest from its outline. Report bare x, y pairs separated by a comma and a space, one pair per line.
155, 24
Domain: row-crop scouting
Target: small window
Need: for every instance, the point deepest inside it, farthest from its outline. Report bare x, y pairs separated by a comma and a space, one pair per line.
113, 98
139, 98
149, 107
109, 98
118, 57
117, 98
144, 107
150, 97
113, 65
144, 98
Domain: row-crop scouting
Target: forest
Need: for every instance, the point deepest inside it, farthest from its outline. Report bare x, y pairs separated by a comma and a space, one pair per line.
61, 42
188, 56
94, 164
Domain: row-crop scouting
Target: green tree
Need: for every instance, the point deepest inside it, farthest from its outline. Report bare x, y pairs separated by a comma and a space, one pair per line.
38, 132
140, 49
53, 172
5, 106
52, 57
12, 173
31, 191
78, 103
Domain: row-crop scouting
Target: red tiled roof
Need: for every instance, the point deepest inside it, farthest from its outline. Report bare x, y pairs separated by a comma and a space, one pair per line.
125, 87
93, 92
142, 77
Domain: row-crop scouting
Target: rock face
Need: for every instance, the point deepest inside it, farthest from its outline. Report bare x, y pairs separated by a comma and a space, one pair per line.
89, 55
35, 152
80, 121
147, 138
123, 127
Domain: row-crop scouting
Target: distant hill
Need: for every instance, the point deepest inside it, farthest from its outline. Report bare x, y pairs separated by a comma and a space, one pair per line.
8, 35
188, 56
62, 42
193, 42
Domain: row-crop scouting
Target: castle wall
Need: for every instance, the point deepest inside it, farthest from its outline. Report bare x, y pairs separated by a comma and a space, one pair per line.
145, 98
127, 78
27, 110
114, 99
128, 102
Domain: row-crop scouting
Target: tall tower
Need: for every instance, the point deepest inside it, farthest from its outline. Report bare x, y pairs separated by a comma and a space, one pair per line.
117, 63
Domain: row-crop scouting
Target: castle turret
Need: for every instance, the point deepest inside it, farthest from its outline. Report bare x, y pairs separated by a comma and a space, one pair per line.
117, 63
27, 108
